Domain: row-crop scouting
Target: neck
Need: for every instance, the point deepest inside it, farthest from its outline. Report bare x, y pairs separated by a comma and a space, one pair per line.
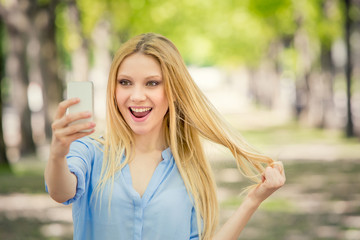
151, 142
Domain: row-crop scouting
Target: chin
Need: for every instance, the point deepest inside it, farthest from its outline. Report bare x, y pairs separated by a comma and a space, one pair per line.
139, 131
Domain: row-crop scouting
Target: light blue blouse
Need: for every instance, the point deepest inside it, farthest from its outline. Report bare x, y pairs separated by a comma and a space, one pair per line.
165, 211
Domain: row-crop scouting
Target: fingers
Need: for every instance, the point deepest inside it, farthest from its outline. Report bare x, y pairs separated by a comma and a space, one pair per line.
62, 128
274, 175
80, 135
270, 175
61, 110
278, 170
66, 120
64, 132
273, 178
279, 166
73, 129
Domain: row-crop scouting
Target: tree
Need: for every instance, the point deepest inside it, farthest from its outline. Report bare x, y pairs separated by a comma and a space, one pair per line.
32, 57
17, 27
43, 63
348, 68
4, 161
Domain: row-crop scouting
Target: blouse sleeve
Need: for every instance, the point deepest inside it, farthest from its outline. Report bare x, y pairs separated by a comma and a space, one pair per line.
79, 161
194, 233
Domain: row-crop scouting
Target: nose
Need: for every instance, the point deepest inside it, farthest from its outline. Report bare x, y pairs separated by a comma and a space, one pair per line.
138, 95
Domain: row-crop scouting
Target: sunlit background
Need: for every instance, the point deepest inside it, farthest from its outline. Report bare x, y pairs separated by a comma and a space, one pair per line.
285, 73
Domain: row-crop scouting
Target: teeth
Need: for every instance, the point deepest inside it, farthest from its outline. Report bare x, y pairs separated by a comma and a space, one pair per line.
140, 109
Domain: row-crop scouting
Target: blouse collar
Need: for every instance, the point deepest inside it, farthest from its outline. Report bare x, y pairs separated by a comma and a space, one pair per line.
166, 154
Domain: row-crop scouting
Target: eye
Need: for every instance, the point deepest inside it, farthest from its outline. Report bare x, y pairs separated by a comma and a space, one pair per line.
124, 82
152, 83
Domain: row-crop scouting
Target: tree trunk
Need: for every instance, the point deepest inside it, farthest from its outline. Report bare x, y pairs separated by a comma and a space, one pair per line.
16, 68
53, 85
348, 69
43, 63
4, 161
327, 93
17, 72
79, 57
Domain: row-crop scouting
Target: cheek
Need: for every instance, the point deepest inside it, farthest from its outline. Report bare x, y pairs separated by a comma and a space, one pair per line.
120, 99
119, 95
162, 100
164, 104
165, 100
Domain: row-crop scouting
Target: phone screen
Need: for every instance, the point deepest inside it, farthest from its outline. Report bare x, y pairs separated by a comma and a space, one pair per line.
85, 92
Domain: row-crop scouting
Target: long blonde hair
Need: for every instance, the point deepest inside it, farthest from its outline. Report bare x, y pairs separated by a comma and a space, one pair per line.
190, 117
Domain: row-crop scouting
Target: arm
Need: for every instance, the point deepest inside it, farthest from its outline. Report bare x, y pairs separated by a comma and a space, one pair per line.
60, 181
273, 179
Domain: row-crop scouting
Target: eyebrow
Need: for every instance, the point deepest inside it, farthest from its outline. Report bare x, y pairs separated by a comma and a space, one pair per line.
153, 76
148, 77
122, 76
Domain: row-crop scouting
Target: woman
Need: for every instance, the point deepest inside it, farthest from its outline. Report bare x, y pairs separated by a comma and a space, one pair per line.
148, 178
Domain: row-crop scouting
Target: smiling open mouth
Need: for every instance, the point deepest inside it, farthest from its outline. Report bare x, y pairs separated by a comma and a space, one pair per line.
140, 112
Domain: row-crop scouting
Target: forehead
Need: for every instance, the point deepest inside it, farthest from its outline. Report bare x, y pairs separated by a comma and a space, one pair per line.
139, 64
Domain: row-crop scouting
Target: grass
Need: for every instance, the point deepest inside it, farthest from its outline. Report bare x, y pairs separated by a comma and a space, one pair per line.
317, 202
26, 228
319, 197
26, 176
293, 133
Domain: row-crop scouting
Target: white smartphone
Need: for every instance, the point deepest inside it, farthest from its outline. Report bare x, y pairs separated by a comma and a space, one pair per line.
85, 92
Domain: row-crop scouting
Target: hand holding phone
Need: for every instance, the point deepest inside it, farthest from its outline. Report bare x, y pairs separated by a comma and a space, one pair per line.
76, 111
85, 92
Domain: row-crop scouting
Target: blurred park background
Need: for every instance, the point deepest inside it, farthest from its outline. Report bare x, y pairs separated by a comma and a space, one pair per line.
286, 73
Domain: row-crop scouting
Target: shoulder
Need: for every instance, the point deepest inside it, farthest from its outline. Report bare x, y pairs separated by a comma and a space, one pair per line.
87, 144
90, 141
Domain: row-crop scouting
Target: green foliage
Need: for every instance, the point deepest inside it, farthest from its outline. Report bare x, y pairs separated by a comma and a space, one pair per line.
289, 59
209, 32
268, 8
322, 20
63, 44
278, 14
90, 13
43, 2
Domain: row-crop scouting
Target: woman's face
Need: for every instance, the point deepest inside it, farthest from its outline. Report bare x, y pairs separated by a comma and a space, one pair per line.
140, 94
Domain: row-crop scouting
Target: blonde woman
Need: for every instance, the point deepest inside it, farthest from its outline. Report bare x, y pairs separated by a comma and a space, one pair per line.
148, 177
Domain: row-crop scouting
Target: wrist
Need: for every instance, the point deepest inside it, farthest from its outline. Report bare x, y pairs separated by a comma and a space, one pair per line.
252, 202
57, 158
